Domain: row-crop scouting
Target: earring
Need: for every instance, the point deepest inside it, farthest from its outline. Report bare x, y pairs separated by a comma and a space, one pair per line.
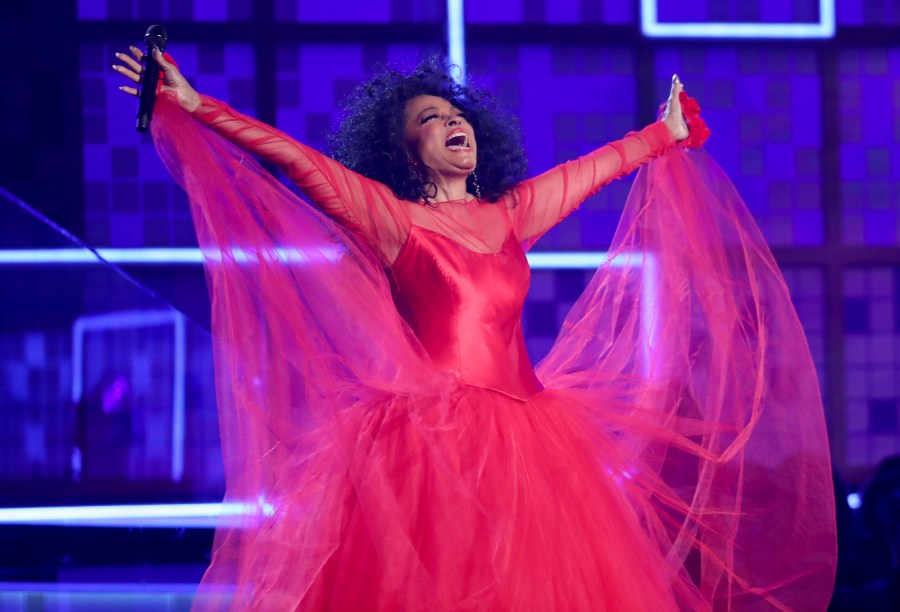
428, 190
418, 169
475, 185
414, 168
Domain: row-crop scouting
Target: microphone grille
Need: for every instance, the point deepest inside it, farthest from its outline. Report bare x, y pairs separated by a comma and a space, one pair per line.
156, 37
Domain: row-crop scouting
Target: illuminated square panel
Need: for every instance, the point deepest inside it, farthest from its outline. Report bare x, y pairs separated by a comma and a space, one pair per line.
570, 100
361, 11
807, 288
130, 200
872, 364
611, 12
762, 105
868, 13
869, 127
169, 10
745, 19
35, 438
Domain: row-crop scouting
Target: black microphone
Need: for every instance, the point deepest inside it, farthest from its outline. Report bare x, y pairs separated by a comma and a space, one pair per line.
155, 38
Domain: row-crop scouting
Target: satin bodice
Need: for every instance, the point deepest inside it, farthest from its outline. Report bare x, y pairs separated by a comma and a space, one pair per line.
466, 309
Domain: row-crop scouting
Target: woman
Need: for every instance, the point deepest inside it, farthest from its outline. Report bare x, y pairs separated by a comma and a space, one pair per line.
668, 453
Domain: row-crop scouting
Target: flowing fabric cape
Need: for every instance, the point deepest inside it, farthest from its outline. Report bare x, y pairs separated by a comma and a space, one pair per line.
685, 344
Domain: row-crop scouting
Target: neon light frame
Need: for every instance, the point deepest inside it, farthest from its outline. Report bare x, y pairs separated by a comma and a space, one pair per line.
652, 28
133, 319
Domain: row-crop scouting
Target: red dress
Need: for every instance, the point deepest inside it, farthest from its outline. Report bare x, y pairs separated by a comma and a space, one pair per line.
396, 450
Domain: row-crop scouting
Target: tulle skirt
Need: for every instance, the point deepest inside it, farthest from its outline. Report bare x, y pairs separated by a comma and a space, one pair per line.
478, 502
677, 458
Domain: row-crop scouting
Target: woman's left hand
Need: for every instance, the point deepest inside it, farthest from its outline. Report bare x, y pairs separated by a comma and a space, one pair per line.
673, 116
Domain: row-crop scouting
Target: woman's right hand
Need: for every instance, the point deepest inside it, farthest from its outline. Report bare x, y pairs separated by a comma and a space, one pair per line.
172, 79
673, 117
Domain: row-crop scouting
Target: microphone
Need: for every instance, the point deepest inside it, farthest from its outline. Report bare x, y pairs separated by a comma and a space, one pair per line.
155, 38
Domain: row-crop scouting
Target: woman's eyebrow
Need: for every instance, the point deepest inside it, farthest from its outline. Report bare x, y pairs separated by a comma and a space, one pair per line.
425, 110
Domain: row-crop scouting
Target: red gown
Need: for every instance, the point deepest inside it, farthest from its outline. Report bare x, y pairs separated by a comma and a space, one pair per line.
393, 446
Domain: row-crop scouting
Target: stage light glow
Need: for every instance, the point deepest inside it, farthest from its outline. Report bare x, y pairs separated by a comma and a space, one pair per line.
854, 500
652, 28
566, 261
206, 515
106, 590
154, 256
82, 256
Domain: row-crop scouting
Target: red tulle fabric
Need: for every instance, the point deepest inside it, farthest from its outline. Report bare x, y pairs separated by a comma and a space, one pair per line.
675, 458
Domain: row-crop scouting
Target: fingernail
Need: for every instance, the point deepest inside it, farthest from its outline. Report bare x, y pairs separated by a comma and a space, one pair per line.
118, 55
114, 67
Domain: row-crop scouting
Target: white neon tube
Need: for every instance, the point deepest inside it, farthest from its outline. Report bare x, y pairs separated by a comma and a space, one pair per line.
139, 515
824, 28
456, 35
574, 260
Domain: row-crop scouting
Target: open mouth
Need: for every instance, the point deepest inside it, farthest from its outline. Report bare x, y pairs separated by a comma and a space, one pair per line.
458, 141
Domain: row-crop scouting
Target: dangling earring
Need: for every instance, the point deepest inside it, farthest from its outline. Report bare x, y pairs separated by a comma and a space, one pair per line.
429, 189
475, 184
416, 168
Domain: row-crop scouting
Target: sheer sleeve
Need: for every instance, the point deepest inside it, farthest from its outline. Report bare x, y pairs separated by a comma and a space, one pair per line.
539, 203
364, 206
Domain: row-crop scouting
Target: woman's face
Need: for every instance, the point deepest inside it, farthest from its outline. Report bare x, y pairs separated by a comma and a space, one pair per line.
441, 136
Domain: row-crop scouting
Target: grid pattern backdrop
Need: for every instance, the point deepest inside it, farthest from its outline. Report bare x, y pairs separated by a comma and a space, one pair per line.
130, 200
868, 100
807, 130
872, 363
764, 105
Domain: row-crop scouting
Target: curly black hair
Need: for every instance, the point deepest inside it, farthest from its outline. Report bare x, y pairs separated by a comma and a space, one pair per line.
369, 139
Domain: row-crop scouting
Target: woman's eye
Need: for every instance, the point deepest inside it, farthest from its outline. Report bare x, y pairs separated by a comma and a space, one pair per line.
428, 118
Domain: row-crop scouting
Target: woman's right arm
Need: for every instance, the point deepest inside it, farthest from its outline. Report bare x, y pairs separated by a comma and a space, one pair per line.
360, 204
336, 190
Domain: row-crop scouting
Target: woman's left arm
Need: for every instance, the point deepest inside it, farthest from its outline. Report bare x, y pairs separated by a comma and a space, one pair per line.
537, 204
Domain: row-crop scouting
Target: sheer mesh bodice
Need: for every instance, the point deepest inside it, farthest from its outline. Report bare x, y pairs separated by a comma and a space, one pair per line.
370, 209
